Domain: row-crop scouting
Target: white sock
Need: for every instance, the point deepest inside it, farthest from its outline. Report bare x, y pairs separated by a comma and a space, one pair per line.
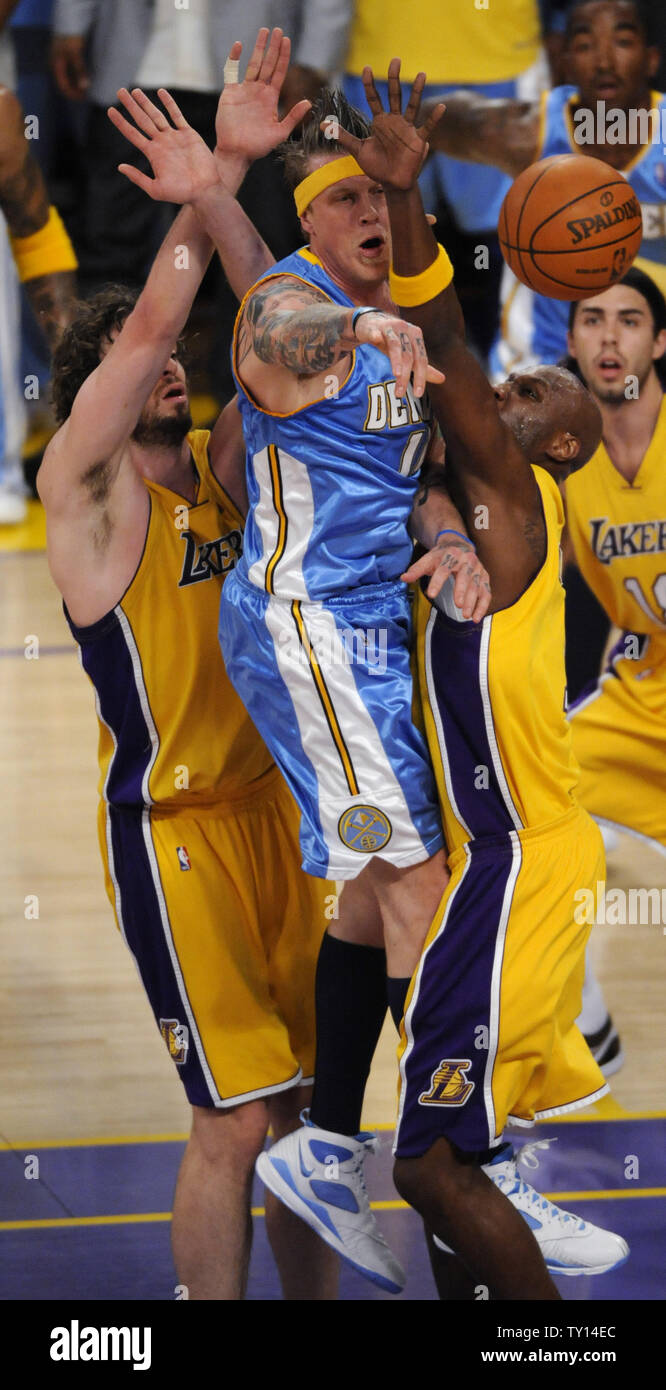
594, 1012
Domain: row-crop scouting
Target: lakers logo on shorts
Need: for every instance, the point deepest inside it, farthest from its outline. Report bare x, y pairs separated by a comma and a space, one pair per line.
448, 1085
364, 829
177, 1038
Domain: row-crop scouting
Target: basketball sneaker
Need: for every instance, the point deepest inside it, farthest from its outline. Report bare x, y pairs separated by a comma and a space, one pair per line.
568, 1244
319, 1176
606, 1047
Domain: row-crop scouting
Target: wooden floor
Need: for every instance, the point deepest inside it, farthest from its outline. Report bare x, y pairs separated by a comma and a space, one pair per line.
81, 1054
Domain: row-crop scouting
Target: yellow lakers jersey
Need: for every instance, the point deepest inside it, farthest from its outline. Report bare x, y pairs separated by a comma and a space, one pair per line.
172, 731
618, 530
479, 44
494, 705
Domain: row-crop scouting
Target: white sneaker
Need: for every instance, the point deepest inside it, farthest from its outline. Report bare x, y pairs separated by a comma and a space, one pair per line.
319, 1176
568, 1244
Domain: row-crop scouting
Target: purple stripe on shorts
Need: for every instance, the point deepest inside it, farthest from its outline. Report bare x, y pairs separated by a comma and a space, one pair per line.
457, 657
449, 1019
145, 935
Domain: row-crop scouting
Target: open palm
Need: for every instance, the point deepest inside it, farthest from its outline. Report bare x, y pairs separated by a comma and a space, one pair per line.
396, 147
247, 121
181, 162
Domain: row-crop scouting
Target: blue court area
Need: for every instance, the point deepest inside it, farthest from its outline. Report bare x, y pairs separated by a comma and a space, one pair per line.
92, 1223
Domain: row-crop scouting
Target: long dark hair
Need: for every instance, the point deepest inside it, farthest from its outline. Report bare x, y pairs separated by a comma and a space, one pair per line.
79, 350
643, 284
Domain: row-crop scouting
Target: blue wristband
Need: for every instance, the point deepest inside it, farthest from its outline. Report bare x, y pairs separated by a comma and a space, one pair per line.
357, 314
449, 531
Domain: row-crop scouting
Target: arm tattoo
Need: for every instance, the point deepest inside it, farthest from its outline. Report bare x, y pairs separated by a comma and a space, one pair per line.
52, 298
305, 340
23, 197
535, 535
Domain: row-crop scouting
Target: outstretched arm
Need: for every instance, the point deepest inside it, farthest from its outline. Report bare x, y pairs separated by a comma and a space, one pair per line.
490, 477
87, 450
290, 333
485, 130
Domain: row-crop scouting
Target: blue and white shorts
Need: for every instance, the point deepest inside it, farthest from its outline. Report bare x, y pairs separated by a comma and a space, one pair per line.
329, 687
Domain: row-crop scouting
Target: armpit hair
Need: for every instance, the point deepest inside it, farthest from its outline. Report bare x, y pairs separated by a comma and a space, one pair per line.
97, 479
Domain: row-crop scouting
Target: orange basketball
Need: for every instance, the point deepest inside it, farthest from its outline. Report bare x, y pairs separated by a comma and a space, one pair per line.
570, 226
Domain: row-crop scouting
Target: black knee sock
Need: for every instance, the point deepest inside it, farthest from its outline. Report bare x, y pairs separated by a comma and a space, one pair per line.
350, 994
397, 993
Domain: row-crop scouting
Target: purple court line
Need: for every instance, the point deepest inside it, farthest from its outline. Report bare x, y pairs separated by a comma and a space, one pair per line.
43, 651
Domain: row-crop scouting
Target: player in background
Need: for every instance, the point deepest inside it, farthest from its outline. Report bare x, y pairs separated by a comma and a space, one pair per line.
610, 55
36, 251
616, 507
198, 833
489, 1030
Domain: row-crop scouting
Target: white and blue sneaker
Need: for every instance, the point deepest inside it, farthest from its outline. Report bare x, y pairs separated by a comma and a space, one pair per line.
319, 1176
568, 1244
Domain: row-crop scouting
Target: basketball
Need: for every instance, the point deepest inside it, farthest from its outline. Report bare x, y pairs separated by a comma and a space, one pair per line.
570, 226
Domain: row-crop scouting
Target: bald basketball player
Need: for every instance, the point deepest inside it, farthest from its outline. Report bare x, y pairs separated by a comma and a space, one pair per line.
489, 1031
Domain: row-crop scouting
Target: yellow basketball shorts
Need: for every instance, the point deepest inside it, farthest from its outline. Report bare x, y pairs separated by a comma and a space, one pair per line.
619, 738
225, 929
489, 1032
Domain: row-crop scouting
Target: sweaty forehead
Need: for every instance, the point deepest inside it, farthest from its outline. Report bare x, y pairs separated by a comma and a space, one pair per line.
553, 378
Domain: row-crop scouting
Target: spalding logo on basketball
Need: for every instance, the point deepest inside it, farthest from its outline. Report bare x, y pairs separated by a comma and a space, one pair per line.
570, 226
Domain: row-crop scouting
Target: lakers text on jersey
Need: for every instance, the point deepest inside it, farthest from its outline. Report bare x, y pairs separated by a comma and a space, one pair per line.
618, 530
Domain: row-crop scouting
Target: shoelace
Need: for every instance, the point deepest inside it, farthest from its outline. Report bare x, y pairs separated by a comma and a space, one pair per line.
513, 1183
370, 1145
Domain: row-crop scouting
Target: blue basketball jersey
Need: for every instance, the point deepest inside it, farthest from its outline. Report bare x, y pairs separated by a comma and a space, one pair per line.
534, 328
331, 486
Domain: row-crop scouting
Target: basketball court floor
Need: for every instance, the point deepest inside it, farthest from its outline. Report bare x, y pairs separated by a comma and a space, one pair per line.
93, 1120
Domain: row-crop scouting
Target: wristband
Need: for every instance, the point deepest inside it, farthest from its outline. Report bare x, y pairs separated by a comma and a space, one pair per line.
449, 531
410, 290
44, 252
357, 314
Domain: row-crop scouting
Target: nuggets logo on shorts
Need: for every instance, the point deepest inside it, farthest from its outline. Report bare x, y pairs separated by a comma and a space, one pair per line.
448, 1085
364, 829
177, 1038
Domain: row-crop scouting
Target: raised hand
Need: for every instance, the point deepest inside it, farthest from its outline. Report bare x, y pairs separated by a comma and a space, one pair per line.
181, 162
247, 121
396, 148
